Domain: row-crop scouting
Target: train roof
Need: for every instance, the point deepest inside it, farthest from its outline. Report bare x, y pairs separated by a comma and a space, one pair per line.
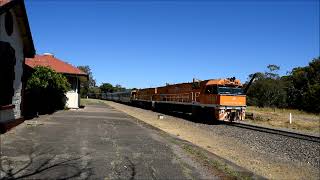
224, 82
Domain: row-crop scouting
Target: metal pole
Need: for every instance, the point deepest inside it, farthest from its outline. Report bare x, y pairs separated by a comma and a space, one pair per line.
290, 118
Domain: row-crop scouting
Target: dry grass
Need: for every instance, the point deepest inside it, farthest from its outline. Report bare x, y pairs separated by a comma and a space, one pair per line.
84, 102
280, 118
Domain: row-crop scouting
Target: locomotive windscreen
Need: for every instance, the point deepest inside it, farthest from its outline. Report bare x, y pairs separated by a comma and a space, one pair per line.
223, 90
230, 90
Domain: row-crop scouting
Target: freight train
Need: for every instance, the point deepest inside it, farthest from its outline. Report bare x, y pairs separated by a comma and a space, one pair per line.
224, 99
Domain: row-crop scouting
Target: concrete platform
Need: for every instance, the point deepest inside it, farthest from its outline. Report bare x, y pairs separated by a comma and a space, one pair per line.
97, 142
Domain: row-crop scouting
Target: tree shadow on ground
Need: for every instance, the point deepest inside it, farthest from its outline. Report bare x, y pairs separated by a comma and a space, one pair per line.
44, 164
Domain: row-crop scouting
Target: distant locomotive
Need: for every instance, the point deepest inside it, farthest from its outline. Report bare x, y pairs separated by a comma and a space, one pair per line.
225, 99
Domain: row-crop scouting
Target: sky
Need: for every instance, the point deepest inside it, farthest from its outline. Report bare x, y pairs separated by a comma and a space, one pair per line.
149, 43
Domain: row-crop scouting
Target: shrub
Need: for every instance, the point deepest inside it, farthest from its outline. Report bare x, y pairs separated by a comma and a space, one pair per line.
45, 91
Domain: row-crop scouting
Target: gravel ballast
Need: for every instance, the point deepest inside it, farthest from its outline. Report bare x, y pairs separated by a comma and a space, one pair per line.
287, 148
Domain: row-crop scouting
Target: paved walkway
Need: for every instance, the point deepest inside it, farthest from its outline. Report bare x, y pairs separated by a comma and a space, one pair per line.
97, 142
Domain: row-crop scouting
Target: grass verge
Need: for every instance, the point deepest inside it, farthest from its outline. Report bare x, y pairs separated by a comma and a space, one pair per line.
276, 117
213, 163
84, 102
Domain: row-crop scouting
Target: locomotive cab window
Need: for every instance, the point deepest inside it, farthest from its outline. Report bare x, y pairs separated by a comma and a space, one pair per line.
230, 90
7, 73
211, 90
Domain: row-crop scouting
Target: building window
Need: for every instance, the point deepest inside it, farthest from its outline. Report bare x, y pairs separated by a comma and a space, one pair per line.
7, 73
8, 23
74, 83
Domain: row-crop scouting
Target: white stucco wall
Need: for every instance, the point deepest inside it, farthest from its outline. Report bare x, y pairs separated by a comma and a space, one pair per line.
16, 42
73, 99
73, 96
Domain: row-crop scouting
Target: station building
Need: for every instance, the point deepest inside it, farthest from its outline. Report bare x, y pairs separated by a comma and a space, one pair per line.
73, 74
16, 44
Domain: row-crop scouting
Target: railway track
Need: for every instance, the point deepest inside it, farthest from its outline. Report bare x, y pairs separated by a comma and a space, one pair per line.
281, 132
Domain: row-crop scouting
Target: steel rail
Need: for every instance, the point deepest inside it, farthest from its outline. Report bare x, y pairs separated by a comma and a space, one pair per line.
296, 135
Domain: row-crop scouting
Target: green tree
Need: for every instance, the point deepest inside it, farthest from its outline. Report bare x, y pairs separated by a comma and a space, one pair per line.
303, 87
45, 91
273, 71
267, 90
267, 93
95, 90
119, 88
107, 87
85, 86
300, 89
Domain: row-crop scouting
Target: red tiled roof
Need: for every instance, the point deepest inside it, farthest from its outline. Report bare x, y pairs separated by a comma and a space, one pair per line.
54, 63
3, 2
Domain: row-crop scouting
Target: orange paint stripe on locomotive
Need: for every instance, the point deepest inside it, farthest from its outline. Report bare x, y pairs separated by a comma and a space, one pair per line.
239, 100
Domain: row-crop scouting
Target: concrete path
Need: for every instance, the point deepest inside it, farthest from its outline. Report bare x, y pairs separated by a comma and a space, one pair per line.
97, 142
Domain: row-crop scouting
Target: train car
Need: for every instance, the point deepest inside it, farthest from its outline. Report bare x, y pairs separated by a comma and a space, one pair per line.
104, 96
94, 95
123, 97
176, 97
224, 99
143, 97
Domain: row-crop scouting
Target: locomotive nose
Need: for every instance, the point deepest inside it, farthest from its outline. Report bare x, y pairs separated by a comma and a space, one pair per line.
239, 100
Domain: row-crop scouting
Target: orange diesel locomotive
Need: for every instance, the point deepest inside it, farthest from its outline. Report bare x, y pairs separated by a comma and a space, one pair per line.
225, 99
